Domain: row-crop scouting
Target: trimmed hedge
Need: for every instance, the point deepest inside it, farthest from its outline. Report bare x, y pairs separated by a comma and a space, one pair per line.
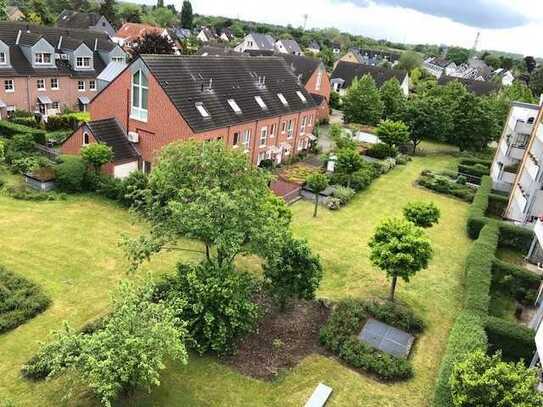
467, 335
26, 121
497, 204
20, 300
446, 182
515, 237
513, 340
516, 281
477, 170
470, 161
9, 129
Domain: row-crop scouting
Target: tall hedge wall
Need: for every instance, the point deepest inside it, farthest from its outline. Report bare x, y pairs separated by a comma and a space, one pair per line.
513, 340
9, 129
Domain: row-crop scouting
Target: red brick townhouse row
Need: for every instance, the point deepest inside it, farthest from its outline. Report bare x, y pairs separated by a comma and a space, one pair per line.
46, 69
256, 105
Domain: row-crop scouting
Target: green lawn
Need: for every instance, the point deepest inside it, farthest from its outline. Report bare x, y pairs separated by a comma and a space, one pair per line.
70, 249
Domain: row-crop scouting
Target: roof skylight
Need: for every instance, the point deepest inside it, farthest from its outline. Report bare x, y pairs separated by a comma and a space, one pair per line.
234, 105
282, 99
201, 109
261, 102
301, 96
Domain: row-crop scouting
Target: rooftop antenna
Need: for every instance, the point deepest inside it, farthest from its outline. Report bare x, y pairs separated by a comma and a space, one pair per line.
305, 16
476, 43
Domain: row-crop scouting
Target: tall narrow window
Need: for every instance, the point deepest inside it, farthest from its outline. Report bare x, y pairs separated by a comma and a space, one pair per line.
2, 58
319, 79
263, 136
85, 138
245, 140
140, 90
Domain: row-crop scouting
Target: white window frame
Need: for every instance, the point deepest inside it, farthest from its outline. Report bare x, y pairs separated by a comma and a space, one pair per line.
3, 59
137, 111
202, 110
290, 128
246, 139
301, 96
282, 99
261, 156
57, 105
39, 58
92, 85
121, 60
52, 82
273, 127
83, 62
42, 82
81, 86
9, 85
302, 126
235, 107
261, 103
263, 136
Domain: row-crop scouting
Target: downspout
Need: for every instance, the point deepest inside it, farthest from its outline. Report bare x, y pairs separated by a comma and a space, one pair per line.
28, 92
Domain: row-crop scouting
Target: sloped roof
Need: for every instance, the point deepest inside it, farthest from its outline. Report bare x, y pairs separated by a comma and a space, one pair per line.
111, 133
477, 87
373, 53
441, 62
350, 70
217, 51
237, 78
77, 19
132, 31
291, 46
111, 71
263, 41
302, 66
314, 45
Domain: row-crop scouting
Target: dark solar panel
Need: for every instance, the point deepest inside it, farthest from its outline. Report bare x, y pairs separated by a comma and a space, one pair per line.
386, 338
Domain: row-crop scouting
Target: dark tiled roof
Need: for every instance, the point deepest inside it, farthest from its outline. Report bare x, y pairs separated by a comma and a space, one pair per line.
314, 45
111, 133
372, 54
182, 78
441, 62
477, 87
350, 70
77, 19
263, 41
302, 66
259, 52
217, 51
291, 46
317, 98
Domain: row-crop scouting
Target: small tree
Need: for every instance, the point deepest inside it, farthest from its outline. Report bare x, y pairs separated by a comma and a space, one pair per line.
410, 60
186, 15
341, 138
487, 381
348, 162
400, 249
107, 9
393, 133
317, 183
70, 173
423, 214
3, 10
393, 99
294, 273
362, 103
153, 43
96, 155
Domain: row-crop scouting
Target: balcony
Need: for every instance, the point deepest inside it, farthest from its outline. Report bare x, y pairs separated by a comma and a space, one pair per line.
538, 230
523, 127
517, 152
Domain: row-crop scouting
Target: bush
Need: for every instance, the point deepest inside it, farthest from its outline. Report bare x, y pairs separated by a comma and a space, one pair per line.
423, 214
28, 121
386, 165
25, 193
445, 183
477, 170
71, 173
381, 151
9, 129
214, 301
360, 180
471, 161
515, 342
497, 204
477, 210
402, 159
339, 336
344, 194
333, 203
515, 281
515, 237
20, 300
66, 121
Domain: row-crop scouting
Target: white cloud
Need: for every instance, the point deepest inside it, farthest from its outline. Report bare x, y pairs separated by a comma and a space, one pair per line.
384, 22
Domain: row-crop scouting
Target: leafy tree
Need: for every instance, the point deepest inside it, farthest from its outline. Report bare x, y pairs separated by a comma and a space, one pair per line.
294, 272
215, 302
473, 124
487, 381
96, 155
362, 103
160, 3
211, 193
341, 138
536, 81
335, 100
70, 173
317, 183
410, 60
327, 56
3, 10
392, 133
107, 9
153, 43
506, 63
130, 350
130, 13
393, 99
160, 16
348, 162
492, 60
400, 249
423, 214
39, 7
458, 55
530, 63
186, 15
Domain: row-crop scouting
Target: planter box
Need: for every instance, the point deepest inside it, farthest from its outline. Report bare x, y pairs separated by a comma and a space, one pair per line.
39, 185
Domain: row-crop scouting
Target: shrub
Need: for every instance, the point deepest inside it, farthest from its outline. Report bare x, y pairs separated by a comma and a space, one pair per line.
333, 203
339, 336
9, 129
516, 281
395, 314
20, 300
214, 301
461, 180
66, 121
423, 214
497, 204
515, 237
477, 210
402, 159
344, 194
515, 342
477, 170
381, 151
25, 193
445, 183
28, 121
71, 173
360, 180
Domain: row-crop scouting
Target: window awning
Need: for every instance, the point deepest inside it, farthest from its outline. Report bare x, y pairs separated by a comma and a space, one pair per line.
2, 104
44, 100
84, 100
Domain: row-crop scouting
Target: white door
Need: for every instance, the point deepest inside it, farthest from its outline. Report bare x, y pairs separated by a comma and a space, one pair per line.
123, 170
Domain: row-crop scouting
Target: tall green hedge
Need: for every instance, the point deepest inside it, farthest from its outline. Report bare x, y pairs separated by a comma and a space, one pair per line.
9, 129
497, 204
513, 340
515, 281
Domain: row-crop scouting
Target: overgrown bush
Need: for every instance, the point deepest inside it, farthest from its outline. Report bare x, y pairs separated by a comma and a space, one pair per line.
333, 203
515, 342
381, 151
20, 300
71, 172
497, 204
344, 194
66, 121
515, 281
445, 183
9, 129
214, 301
423, 214
29, 121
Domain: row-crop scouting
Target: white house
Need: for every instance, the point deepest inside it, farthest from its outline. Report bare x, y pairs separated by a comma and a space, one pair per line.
314, 47
288, 47
206, 35
256, 41
439, 66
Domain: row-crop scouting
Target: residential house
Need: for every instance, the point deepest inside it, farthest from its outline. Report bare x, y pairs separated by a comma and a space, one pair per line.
81, 20
336, 48
311, 73
370, 57
314, 47
256, 105
14, 14
130, 34
478, 87
439, 66
288, 47
217, 51
345, 72
182, 33
526, 198
504, 76
227, 35
46, 69
110, 72
256, 42
207, 35
512, 145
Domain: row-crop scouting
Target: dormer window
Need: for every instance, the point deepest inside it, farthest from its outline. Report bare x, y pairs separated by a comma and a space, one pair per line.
282, 99
301, 96
140, 91
3, 60
261, 103
42, 58
202, 110
234, 106
83, 62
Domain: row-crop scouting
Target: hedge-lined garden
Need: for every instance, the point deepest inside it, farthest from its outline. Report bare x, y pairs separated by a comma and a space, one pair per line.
474, 329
